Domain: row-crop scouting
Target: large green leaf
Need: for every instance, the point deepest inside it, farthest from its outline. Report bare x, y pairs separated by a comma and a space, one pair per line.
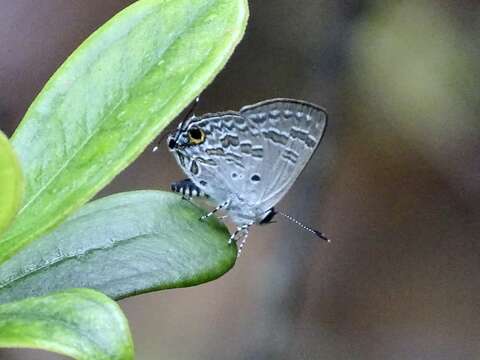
107, 102
80, 323
122, 245
11, 183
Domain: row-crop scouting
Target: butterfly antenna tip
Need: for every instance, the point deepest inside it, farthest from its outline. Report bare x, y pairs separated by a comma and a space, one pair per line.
305, 227
322, 236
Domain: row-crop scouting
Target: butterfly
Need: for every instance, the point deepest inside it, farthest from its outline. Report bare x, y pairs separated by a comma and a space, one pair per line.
246, 161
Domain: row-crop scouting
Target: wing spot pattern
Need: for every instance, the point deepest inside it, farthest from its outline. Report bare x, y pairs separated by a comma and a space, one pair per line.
275, 136
303, 136
255, 178
257, 152
181, 158
290, 155
300, 114
206, 161
194, 168
275, 113
215, 151
229, 140
247, 148
258, 118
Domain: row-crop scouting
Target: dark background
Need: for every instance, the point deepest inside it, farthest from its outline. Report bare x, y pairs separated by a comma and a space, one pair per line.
395, 182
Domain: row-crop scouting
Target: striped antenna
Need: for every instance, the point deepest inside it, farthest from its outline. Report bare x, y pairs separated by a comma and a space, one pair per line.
305, 227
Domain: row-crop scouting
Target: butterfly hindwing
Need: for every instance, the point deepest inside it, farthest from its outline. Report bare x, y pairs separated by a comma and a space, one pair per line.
291, 131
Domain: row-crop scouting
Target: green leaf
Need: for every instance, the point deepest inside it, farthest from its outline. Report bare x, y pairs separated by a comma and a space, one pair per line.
80, 323
11, 183
123, 245
110, 99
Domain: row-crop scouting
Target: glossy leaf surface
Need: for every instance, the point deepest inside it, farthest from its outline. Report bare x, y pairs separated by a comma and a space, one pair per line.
123, 245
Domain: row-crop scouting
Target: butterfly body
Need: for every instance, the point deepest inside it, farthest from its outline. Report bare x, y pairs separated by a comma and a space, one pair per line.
246, 161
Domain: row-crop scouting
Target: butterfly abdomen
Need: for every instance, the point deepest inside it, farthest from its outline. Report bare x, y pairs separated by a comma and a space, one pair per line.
187, 188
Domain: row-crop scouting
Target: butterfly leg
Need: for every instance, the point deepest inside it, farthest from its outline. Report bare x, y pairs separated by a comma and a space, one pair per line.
243, 228
188, 189
219, 207
242, 244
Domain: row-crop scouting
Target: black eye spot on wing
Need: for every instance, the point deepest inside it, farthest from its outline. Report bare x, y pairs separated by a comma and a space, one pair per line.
196, 136
255, 178
195, 133
234, 175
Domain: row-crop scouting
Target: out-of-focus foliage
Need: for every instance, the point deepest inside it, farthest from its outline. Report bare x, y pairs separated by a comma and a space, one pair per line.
417, 68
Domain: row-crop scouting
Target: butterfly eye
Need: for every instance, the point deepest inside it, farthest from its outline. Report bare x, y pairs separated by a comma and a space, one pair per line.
196, 136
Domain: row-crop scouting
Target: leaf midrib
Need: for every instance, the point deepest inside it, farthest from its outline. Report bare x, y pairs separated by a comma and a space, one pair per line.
60, 260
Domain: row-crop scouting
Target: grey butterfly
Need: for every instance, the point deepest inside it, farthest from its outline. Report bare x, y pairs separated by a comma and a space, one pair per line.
246, 161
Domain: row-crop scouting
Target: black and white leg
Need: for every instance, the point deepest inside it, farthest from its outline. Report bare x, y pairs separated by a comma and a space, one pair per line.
242, 244
240, 229
219, 207
187, 188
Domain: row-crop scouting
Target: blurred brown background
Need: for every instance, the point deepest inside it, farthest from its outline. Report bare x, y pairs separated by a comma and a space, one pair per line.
395, 183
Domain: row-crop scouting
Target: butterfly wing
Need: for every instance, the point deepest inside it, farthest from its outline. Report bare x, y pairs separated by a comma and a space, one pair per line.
253, 157
291, 131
